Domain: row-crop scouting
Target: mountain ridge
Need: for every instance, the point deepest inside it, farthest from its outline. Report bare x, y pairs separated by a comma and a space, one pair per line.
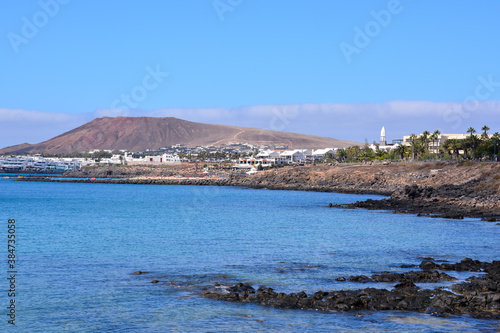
140, 133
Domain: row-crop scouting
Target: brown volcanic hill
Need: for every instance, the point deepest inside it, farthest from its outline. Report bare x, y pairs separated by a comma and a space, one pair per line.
140, 133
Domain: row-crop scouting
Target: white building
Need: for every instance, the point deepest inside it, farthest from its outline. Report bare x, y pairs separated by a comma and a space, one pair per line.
268, 154
16, 163
296, 155
320, 154
164, 159
383, 145
436, 144
28, 163
251, 161
292, 156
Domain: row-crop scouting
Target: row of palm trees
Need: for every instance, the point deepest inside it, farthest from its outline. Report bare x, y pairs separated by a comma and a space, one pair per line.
426, 146
424, 139
482, 146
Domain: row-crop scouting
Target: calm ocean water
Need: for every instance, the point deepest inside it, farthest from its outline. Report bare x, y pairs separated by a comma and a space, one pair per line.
78, 245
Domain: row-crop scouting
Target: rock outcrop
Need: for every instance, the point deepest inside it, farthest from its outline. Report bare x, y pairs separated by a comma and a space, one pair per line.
478, 296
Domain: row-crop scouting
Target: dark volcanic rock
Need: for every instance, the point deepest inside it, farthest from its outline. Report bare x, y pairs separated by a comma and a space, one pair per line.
466, 264
406, 284
359, 278
404, 298
421, 277
139, 272
428, 265
479, 296
471, 198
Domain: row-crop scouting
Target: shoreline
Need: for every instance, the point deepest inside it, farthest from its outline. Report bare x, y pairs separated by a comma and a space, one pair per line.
437, 189
206, 182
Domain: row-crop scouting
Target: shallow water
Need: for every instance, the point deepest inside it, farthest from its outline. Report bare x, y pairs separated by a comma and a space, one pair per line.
78, 245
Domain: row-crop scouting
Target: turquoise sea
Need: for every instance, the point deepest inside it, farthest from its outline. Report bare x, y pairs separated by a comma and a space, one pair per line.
77, 246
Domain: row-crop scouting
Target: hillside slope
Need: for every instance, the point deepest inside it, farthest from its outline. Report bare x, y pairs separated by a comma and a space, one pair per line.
140, 133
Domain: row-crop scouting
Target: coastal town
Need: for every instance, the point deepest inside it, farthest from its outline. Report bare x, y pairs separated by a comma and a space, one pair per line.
249, 158
250, 166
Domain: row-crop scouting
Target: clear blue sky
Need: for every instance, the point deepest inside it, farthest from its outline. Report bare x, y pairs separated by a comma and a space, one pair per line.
84, 56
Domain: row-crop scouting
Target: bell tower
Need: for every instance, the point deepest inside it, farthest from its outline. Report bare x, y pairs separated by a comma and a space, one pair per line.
383, 142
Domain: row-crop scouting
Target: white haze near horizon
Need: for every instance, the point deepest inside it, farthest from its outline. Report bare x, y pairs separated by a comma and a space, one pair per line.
352, 122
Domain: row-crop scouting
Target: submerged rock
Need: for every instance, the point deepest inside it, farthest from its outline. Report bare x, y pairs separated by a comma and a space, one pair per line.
428, 265
422, 277
479, 296
406, 284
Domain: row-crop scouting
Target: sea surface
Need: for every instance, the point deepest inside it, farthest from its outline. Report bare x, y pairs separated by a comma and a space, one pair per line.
78, 246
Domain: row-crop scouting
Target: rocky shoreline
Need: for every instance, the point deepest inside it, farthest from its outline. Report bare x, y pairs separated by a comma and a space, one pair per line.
478, 296
449, 201
437, 189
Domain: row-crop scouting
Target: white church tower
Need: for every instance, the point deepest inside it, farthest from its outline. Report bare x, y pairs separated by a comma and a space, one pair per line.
383, 142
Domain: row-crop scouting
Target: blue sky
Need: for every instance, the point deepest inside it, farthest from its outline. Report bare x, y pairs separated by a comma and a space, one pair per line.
341, 69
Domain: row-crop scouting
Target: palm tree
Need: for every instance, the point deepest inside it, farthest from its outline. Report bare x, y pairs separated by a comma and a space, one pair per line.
413, 137
425, 138
432, 139
352, 153
471, 130
452, 147
447, 146
341, 154
485, 130
401, 150
464, 145
435, 137
496, 139
456, 145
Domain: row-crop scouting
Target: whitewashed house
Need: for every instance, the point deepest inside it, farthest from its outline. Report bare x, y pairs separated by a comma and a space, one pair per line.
320, 154
247, 162
165, 159
268, 154
307, 155
16, 163
39, 164
292, 156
